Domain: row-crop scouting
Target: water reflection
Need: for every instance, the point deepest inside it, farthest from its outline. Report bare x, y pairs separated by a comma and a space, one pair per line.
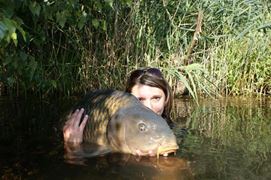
125, 166
243, 124
219, 139
229, 138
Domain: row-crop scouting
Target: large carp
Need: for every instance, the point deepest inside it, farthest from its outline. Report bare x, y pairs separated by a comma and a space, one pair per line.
121, 123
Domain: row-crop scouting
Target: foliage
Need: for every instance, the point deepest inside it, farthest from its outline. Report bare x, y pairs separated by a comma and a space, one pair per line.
64, 47
42, 42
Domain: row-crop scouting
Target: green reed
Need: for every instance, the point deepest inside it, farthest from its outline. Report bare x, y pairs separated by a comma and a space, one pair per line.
208, 47
230, 56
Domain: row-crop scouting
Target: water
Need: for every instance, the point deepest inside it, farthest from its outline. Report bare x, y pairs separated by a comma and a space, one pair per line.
219, 139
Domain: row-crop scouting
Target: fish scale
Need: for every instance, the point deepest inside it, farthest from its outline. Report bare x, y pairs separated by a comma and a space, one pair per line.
104, 105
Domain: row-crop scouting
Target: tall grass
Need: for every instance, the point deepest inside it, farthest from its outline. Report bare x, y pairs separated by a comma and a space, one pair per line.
232, 52
226, 53
238, 61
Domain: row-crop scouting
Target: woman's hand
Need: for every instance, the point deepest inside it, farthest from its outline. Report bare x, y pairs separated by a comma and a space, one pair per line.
72, 131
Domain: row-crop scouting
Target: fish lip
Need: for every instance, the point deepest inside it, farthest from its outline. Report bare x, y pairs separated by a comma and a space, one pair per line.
167, 150
160, 151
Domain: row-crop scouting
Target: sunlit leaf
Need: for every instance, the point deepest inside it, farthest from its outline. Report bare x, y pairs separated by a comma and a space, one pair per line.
14, 38
95, 23
104, 26
129, 2
110, 3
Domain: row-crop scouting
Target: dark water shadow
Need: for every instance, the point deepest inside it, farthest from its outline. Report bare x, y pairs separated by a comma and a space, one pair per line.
219, 139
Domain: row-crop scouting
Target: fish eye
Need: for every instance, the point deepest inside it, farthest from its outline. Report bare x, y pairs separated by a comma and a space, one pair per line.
142, 127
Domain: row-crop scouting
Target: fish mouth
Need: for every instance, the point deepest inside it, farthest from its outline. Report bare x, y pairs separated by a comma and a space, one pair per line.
165, 151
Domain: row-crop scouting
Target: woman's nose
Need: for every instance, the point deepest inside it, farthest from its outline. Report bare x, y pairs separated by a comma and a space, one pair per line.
147, 104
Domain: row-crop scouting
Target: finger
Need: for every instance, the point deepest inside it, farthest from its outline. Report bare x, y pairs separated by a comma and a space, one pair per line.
71, 117
84, 122
69, 121
78, 117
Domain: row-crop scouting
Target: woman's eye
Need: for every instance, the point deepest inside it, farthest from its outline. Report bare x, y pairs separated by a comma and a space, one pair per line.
140, 99
142, 127
157, 98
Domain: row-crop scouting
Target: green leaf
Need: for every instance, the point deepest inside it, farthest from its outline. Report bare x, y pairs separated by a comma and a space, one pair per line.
35, 8
10, 25
82, 20
53, 83
104, 26
128, 2
14, 38
95, 23
110, 3
22, 32
98, 6
3, 30
61, 18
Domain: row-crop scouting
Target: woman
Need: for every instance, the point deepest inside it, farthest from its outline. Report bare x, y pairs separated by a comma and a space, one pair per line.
147, 84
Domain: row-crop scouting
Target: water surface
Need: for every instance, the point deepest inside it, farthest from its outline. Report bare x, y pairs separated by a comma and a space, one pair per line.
227, 138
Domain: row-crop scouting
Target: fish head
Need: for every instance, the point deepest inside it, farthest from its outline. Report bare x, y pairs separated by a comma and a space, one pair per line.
139, 131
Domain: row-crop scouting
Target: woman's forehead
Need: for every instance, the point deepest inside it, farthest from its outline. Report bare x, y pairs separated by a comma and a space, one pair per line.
146, 91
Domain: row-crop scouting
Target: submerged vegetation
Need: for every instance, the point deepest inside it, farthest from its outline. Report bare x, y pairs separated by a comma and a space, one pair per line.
66, 47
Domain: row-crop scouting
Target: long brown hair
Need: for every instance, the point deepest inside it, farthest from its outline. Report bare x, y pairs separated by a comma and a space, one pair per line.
152, 77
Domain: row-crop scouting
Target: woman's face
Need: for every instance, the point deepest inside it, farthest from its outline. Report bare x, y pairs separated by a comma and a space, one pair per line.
152, 97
